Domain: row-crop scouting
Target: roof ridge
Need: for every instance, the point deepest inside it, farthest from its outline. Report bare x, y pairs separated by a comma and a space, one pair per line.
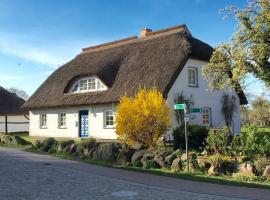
110, 43
135, 38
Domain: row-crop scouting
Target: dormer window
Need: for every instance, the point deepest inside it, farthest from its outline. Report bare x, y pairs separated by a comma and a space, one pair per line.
89, 84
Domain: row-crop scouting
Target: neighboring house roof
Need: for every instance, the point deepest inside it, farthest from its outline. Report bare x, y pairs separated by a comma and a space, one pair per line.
10, 103
123, 65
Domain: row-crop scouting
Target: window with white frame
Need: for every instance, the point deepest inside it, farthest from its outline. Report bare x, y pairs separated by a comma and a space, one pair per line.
89, 84
62, 120
43, 120
109, 118
192, 76
206, 116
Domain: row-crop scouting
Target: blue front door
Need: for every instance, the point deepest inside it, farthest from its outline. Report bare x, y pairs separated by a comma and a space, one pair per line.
83, 121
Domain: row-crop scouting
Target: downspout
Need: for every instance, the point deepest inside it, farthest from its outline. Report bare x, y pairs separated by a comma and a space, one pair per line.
6, 124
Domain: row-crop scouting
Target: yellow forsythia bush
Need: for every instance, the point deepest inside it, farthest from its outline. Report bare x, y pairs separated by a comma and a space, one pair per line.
142, 119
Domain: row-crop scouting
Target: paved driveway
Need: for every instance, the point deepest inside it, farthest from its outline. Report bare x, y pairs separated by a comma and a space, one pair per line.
31, 176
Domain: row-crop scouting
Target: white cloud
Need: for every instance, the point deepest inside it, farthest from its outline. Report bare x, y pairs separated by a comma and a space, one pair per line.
28, 48
10, 77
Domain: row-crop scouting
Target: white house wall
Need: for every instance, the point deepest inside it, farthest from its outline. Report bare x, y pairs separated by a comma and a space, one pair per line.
202, 97
16, 123
96, 123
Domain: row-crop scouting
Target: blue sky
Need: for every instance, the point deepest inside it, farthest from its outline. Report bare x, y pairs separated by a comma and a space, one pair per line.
36, 37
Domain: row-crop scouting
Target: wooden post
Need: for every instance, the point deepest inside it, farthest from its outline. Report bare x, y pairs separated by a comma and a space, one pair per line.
6, 124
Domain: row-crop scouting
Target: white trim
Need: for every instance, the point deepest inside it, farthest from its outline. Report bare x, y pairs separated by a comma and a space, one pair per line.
78, 87
195, 70
41, 121
104, 119
59, 120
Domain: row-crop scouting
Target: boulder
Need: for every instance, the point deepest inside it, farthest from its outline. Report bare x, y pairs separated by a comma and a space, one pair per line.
203, 162
177, 164
266, 172
214, 171
137, 156
190, 156
138, 146
59, 148
169, 159
125, 155
105, 152
38, 143
160, 160
149, 154
73, 148
245, 169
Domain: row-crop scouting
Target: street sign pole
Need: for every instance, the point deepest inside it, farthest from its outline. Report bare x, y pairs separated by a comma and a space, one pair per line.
186, 119
186, 137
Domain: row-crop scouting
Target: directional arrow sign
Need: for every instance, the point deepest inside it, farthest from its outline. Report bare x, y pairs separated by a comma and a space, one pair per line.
179, 106
195, 110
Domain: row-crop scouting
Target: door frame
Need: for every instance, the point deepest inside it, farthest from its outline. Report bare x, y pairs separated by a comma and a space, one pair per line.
81, 112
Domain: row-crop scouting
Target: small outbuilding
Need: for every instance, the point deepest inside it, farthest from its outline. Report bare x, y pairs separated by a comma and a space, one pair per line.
12, 117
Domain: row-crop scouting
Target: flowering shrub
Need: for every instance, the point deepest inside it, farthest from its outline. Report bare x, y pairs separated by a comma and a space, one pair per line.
143, 118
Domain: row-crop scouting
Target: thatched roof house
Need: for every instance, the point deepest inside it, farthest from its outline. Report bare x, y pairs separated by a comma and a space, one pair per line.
163, 59
10, 103
12, 117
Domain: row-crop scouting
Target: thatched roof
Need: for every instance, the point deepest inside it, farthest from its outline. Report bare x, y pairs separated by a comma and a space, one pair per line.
123, 65
10, 103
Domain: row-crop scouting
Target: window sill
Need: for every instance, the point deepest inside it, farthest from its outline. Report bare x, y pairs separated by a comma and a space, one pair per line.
194, 86
109, 127
63, 127
43, 127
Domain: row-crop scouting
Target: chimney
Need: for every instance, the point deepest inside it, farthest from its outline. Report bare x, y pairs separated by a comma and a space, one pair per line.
144, 32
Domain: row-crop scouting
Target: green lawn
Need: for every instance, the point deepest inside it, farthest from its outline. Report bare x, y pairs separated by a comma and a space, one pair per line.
24, 135
260, 129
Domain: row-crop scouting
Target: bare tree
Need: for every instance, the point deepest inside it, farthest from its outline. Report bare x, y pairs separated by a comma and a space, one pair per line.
19, 92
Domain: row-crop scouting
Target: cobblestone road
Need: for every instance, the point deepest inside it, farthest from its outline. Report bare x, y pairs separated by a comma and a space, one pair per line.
31, 176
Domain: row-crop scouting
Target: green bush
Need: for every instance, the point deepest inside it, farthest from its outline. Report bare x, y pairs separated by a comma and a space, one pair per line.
254, 141
137, 163
48, 144
196, 137
218, 141
149, 164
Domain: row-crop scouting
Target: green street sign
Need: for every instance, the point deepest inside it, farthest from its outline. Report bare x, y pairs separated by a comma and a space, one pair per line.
195, 110
179, 106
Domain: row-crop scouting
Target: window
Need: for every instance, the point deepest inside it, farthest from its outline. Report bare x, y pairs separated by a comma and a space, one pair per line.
62, 120
43, 120
83, 85
206, 116
192, 77
109, 118
88, 85
91, 84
